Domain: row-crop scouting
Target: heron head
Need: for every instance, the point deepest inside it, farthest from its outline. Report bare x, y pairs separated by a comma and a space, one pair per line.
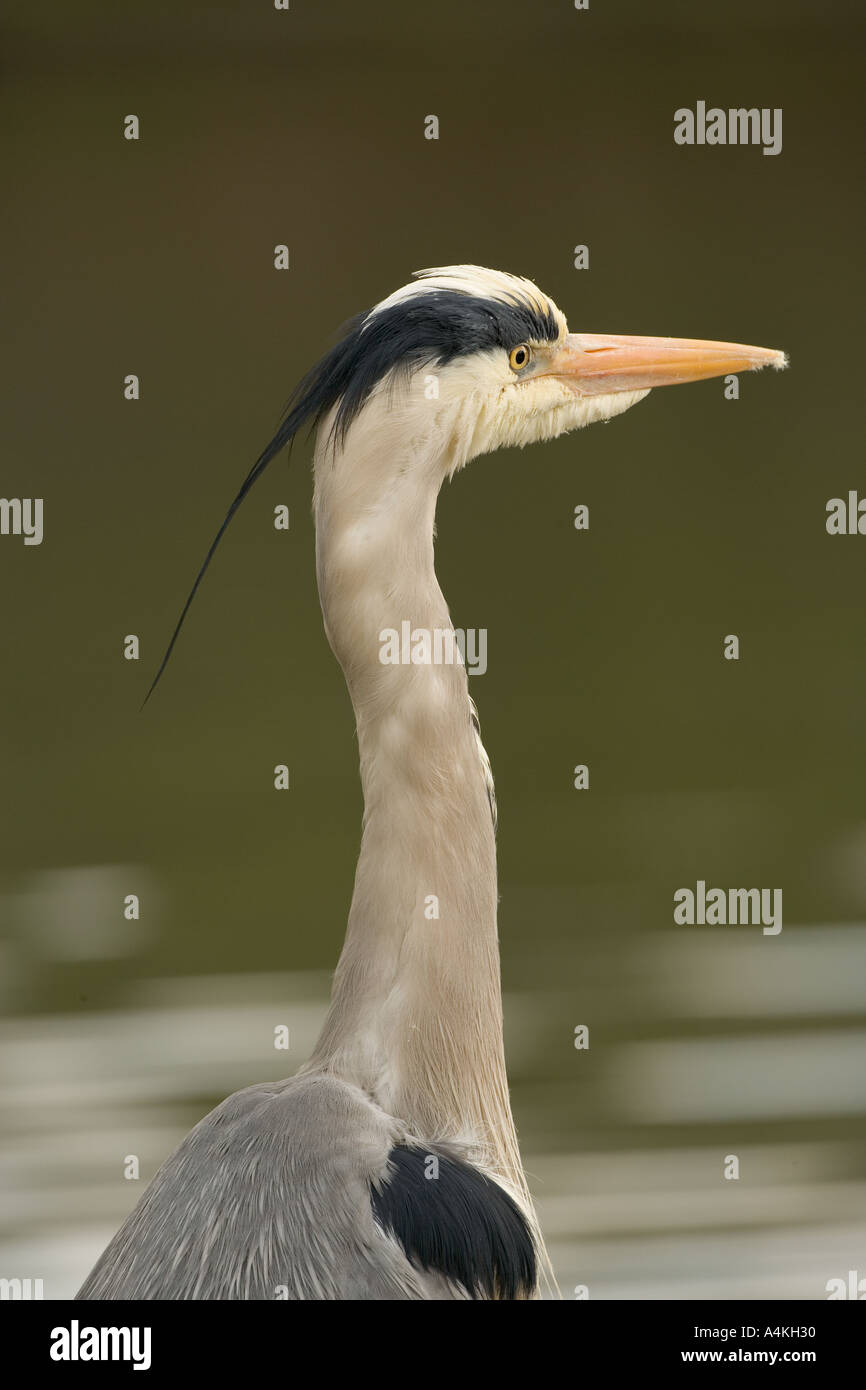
457, 363
477, 359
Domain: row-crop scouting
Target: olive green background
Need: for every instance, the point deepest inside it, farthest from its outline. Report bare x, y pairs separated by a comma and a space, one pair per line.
605, 647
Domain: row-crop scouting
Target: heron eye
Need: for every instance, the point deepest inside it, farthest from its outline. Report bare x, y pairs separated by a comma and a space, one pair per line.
518, 357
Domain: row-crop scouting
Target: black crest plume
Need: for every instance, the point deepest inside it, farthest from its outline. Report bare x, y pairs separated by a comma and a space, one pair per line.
436, 326
312, 398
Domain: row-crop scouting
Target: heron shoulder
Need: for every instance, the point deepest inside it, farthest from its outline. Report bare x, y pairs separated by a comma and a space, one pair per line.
270, 1197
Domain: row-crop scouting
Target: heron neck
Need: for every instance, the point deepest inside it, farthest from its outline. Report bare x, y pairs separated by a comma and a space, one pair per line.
416, 1016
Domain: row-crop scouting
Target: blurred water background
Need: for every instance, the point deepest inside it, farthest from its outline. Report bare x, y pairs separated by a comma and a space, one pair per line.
604, 647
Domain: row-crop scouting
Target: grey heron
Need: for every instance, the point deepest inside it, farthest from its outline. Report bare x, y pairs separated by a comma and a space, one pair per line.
388, 1166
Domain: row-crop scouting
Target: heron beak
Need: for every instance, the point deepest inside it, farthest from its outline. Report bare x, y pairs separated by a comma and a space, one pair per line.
595, 364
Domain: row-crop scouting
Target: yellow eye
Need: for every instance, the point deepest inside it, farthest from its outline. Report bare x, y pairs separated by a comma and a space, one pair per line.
518, 357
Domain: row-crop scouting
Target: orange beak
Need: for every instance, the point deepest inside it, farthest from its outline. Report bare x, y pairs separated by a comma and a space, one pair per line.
594, 364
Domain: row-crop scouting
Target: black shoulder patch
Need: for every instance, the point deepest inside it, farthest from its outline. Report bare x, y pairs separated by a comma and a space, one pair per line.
460, 1224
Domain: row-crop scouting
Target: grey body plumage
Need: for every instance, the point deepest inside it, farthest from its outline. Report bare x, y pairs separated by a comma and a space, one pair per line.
269, 1197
